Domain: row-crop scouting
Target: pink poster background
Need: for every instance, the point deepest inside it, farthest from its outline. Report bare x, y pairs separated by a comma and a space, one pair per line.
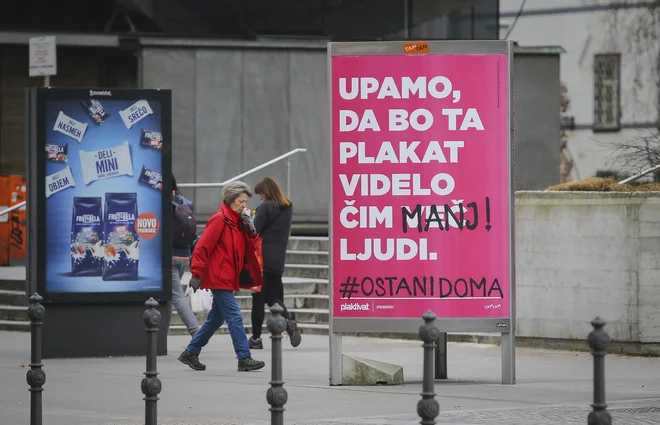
482, 171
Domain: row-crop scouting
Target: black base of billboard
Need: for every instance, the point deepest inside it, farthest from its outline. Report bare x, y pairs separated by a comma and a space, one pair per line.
99, 330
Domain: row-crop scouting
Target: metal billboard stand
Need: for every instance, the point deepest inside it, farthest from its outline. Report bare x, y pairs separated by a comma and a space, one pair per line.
505, 326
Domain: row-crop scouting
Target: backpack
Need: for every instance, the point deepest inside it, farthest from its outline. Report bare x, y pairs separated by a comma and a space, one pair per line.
184, 225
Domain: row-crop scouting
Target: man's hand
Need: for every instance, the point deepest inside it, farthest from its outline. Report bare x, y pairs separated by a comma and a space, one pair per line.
195, 283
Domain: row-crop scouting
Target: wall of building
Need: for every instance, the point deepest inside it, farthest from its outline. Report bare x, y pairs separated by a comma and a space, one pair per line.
77, 67
234, 109
238, 107
582, 255
586, 28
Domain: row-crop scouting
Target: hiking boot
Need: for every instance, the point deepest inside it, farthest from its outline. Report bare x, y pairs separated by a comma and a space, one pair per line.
256, 344
248, 364
294, 333
192, 360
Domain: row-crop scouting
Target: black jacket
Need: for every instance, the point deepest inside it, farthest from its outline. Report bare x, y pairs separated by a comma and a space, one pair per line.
274, 227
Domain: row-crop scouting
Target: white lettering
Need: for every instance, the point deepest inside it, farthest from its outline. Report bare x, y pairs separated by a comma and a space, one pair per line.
398, 184
406, 154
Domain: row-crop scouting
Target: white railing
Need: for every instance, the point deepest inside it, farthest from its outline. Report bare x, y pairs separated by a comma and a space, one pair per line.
257, 168
195, 185
12, 208
640, 174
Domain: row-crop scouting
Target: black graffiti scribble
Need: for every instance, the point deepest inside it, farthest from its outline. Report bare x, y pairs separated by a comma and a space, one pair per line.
349, 288
448, 213
16, 234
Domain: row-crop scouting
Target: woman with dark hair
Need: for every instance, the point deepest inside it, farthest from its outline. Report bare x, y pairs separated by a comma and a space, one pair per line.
273, 223
180, 258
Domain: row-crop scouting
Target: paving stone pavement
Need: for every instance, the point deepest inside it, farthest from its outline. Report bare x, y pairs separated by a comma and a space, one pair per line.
642, 412
553, 387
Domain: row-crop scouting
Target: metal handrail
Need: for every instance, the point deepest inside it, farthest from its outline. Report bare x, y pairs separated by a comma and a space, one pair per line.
248, 172
12, 208
194, 185
640, 174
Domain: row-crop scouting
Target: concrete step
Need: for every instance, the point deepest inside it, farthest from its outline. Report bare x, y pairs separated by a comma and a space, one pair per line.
303, 286
13, 312
305, 329
315, 271
307, 257
308, 243
12, 325
316, 301
12, 297
300, 315
12, 284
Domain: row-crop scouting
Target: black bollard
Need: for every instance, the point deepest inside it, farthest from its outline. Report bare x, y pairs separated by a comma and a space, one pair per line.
276, 395
36, 377
151, 385
428, 408
598, 341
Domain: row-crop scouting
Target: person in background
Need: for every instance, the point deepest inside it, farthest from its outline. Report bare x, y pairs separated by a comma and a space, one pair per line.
184, 234
273, 223
223, 251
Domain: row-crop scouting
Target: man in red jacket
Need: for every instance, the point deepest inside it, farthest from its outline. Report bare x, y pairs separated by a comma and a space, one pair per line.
222, 252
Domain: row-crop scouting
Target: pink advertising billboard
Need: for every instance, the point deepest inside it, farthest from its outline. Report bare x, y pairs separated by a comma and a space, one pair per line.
421, 185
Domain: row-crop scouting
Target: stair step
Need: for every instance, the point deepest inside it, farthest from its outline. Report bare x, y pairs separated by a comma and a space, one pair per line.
12, 284
309, 243
14, 313
13, 325
320, 301
12, 297
300, 315
305, 329
316, 271
307, 257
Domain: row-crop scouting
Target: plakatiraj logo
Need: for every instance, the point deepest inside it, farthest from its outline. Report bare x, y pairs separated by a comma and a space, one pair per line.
100, 93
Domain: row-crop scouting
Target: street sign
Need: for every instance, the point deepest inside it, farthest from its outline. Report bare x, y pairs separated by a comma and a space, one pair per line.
43, 56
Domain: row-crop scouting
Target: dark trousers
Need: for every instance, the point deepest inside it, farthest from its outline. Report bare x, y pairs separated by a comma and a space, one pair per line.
272, 292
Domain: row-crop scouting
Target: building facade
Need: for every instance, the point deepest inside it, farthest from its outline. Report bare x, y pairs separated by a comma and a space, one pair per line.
610, 71
100, 46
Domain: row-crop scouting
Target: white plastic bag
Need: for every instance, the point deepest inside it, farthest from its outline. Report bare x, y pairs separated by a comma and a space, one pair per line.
202, 300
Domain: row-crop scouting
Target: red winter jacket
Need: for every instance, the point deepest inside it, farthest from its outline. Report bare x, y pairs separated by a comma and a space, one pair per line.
220, 253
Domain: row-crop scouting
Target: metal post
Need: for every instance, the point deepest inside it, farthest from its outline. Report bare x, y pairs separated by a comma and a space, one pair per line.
428, 408
36, 377
598, 341
47, 81
288, 178
151, 385
276, 395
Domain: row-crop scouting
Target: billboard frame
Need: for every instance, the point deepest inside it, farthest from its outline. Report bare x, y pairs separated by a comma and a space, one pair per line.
36, 99
503, 325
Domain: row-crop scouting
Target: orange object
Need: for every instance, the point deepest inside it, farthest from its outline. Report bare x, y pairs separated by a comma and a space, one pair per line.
4, 221
415, 48
17, 219
260, 259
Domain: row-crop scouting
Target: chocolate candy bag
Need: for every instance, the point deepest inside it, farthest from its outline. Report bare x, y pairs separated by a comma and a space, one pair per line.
86, 237
121, 242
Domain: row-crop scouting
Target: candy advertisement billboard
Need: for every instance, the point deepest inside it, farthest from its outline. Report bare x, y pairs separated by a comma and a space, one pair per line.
106, 173
421, 185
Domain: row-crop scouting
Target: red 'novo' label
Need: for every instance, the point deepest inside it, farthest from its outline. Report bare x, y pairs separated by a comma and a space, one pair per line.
147, 225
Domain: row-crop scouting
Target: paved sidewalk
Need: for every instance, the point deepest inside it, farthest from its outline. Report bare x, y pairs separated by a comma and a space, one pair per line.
553, 387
